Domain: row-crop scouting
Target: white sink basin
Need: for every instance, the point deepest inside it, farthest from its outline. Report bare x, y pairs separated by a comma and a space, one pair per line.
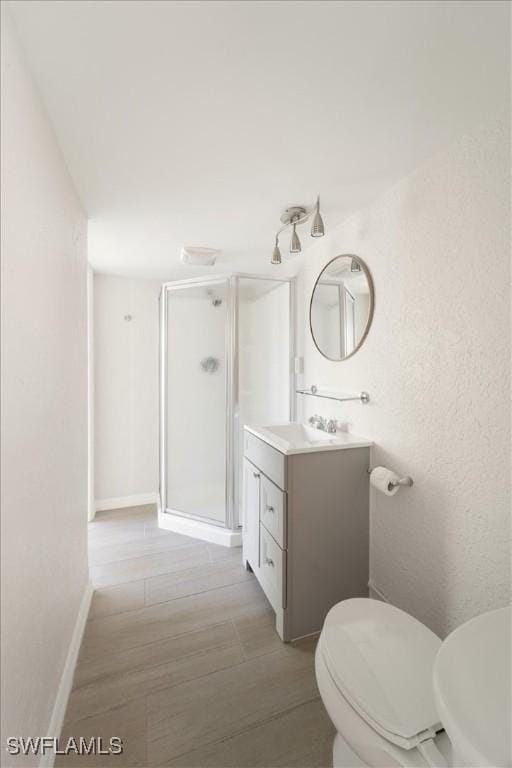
300, 433
295, 437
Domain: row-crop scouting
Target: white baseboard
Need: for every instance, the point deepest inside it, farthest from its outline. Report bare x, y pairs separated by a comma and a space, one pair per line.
199, 530
376, 593
102, 505
66, 680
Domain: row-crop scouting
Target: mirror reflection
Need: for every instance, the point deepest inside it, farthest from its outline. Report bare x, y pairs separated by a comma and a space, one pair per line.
341, 307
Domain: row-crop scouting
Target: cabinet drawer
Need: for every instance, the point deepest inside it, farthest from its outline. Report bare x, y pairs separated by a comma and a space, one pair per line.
272, 570
271, 462
273, 510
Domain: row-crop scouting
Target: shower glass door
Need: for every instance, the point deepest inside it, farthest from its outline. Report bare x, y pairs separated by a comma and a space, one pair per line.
264, 361
195, 383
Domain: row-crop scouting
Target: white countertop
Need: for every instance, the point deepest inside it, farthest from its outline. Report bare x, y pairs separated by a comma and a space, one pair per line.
294, 438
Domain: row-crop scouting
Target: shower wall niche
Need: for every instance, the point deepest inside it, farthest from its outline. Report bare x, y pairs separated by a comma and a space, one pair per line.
227, 354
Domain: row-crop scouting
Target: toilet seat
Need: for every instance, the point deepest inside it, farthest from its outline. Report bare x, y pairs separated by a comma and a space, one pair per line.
472, 677
381, 659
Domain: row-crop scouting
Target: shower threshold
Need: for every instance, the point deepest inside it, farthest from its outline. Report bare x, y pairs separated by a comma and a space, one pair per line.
176, 521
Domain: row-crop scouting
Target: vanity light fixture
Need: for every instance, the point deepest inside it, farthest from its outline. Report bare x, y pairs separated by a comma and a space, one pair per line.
317, 228
295, 246
276, 255
293, 217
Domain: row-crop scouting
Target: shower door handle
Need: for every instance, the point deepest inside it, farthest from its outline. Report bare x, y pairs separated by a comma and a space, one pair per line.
256, 475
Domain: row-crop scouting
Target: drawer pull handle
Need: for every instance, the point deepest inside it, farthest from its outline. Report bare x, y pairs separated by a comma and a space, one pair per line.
270, 509
269, 561
256, 474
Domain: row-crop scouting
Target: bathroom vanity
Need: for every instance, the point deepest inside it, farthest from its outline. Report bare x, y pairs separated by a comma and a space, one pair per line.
306, 521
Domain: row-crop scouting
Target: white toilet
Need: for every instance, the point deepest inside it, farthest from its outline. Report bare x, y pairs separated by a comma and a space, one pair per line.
374, 668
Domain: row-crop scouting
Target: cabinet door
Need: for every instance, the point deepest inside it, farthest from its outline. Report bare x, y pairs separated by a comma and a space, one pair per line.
273, 569
273, 510
251, 509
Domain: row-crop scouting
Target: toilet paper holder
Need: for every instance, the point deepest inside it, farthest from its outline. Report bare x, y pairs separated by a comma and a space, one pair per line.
403, 480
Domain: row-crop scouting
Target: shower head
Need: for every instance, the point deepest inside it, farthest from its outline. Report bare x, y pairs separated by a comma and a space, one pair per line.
216, 302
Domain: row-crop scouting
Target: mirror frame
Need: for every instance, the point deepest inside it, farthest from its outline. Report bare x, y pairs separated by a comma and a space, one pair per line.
370, 309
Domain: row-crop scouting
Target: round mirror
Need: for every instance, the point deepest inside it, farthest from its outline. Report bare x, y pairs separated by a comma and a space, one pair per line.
341, 308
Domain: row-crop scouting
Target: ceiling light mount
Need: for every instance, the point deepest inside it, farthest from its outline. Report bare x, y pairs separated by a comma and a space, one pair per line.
293, 213
292, 217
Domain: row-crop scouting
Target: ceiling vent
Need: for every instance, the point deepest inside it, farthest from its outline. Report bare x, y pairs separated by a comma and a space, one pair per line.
198, 257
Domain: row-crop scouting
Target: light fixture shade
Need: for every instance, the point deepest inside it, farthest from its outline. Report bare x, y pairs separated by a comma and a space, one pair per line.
295, 246
317, 228
276, 255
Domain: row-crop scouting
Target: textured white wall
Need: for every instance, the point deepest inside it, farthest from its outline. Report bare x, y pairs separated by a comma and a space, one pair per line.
125, 386
437, 366
44, 404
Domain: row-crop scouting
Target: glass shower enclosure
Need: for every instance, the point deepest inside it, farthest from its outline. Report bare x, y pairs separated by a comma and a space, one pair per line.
226, 359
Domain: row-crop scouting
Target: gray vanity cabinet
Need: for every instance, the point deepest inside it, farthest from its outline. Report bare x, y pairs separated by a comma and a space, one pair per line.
306, 530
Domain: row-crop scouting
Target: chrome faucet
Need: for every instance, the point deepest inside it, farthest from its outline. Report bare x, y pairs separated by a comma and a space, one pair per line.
318, 422
325, 425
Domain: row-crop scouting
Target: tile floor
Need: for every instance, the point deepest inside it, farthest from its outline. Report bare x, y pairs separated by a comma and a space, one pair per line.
180, 659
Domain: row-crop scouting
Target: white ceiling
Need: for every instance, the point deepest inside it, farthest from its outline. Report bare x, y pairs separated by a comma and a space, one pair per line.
198, 122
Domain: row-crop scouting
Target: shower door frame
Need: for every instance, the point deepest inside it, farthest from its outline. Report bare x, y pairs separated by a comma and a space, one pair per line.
292, 397
231, 281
